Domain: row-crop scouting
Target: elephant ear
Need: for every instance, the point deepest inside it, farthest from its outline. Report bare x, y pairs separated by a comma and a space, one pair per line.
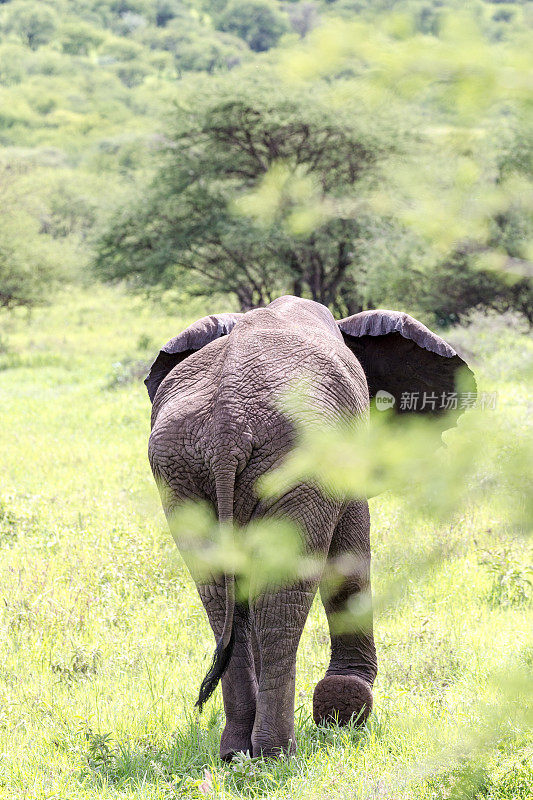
193, 338
403, 358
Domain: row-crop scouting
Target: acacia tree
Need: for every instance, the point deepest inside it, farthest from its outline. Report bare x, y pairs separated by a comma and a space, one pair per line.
222, 151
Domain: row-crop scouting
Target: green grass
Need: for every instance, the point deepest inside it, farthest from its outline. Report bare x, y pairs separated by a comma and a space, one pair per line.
104, 641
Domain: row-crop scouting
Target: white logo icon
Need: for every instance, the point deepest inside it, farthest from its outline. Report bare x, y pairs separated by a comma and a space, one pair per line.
384, 400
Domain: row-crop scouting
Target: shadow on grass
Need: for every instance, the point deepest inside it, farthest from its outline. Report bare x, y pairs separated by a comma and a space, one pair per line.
188, 764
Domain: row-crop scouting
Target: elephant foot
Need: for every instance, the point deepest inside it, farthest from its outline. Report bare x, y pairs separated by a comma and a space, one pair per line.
265, 747
341, 698
235, 741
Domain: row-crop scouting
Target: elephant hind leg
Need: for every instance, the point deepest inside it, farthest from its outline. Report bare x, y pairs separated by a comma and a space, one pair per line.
279, 615
239, 683
345, 693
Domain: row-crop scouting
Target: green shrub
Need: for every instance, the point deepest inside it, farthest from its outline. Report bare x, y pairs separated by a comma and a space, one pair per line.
34, 23
78, 38
512, 577
258, 22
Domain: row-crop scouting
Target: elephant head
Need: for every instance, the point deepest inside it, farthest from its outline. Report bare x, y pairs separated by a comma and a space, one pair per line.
404, 362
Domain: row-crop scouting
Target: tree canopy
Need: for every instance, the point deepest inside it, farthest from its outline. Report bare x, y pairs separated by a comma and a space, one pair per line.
264, 190
259, 22
204, 215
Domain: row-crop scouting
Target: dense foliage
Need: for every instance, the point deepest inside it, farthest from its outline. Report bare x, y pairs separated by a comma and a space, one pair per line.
223, 160
87, 97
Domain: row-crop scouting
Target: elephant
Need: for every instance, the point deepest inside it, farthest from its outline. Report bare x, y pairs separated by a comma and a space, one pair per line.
217, 427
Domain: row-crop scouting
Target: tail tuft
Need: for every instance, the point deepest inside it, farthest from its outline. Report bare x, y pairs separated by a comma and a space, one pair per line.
220, 664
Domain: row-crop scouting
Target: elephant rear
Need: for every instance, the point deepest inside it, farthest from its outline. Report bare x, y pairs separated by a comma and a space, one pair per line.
218, 425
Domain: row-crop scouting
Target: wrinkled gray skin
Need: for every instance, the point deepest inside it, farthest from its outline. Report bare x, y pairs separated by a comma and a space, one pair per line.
216, 429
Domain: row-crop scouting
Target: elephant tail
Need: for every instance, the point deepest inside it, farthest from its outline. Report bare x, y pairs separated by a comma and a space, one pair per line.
224, 488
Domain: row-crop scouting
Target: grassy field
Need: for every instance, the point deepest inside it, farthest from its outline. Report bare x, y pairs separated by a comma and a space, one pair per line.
104, 640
